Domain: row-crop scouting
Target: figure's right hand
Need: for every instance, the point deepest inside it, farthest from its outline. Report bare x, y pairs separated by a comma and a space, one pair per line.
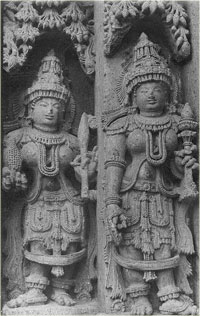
116, 221
12, 179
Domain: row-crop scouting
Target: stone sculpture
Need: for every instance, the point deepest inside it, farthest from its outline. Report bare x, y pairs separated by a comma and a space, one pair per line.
150, 165
38, 160
25, 21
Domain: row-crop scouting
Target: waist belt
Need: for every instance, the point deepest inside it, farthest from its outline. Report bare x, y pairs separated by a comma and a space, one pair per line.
146, 186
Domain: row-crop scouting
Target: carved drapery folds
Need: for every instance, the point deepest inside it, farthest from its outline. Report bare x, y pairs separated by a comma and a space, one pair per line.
120, 15
26, 21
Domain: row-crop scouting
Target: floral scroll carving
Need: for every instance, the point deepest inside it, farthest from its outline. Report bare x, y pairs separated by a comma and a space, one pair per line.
120, 15
26, 21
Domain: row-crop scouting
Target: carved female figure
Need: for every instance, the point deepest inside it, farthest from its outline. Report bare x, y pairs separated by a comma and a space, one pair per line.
39, 157
144, 167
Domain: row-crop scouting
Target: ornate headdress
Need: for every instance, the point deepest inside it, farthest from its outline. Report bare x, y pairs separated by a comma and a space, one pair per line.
49, 81
146, 65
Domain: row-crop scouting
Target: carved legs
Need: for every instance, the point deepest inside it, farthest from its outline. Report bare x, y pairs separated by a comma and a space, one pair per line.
173, 302
62, 285
36, 283
136, 287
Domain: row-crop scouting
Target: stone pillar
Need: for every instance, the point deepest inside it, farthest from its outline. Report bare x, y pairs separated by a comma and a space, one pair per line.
190, 80
99, 95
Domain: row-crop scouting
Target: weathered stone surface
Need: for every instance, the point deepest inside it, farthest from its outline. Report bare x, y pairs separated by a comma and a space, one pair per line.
142, 243
53, 309
52, 213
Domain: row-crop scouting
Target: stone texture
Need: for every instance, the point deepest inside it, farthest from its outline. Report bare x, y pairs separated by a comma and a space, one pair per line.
53, 309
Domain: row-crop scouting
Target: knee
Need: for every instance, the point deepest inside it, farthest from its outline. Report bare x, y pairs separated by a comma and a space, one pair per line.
164, 252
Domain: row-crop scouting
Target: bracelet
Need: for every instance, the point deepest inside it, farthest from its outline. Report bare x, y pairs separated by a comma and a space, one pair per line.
113, 200
115, 163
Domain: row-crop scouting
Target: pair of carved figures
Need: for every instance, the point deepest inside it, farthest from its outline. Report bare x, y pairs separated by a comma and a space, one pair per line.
149, 172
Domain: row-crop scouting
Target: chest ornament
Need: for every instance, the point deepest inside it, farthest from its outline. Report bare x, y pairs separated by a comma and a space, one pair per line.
49, 147
155, 130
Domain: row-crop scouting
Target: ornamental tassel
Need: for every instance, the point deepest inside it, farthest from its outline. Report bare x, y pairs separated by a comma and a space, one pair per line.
58, 271
147, 248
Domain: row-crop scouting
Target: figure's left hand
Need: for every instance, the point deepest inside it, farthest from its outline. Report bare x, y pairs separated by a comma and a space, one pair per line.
185, 158
93, 161
90, 162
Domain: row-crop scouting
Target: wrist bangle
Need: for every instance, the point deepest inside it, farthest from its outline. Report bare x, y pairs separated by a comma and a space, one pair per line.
113, 200
115, 163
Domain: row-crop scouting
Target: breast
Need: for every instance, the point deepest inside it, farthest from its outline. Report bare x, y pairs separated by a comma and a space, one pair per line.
171, 141
30, 155
136, 141
66, 156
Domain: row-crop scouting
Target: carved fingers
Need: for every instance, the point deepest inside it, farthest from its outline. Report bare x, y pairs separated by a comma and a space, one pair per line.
187, 152
13, 179
185, 157
116, 221
6, 179
90, 161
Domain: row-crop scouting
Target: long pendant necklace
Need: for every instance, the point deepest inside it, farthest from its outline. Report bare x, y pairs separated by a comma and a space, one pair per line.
48, 144
155, 131
53, 169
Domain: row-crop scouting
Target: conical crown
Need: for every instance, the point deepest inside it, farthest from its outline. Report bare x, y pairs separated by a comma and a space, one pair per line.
147, 65
49, 82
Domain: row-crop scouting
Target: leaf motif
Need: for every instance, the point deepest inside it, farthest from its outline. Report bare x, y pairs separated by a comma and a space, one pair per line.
179, 42
173, 29
118, 14
145, 7
177, 33
176, 19
169, 18
132, 12
184, 14
183, 21
125, 13
161, 6
153, 7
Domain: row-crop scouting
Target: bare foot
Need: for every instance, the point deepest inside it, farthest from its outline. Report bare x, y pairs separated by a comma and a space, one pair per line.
33, 296
141, 306
178, 307
62, 298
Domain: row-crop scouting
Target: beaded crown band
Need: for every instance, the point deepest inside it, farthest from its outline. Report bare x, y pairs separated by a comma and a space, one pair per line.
49, 81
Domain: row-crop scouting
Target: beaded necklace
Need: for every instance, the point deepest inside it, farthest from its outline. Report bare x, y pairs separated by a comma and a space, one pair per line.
154, 128
51, 143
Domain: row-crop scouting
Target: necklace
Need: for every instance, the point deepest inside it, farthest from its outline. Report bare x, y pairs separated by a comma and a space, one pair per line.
46, 138
152, 123
49, 147
155, 129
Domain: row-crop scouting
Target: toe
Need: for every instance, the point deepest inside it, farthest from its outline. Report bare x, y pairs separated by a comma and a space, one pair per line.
60, 301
